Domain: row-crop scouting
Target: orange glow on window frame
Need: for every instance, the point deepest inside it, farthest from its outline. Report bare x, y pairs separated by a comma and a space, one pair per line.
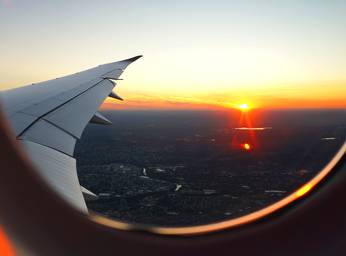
5, 246
303, 190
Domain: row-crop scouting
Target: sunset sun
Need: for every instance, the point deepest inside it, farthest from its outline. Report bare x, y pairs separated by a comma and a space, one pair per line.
244, 107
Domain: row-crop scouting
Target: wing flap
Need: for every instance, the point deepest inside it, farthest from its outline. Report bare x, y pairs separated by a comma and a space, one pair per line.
59, 170
47, 134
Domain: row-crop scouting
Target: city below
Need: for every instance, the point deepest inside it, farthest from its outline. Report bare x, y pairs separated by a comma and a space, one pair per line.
184, 168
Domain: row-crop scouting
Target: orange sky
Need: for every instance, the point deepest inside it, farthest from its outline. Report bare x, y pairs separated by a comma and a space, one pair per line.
197, 54
307, 97
282, 103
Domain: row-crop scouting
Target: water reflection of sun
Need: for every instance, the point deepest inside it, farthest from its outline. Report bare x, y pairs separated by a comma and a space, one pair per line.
246, 146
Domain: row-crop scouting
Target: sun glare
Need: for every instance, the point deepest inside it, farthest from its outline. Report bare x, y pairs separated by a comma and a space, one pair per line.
244, 107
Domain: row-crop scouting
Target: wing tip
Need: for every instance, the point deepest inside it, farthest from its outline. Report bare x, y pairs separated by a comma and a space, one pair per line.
133, 58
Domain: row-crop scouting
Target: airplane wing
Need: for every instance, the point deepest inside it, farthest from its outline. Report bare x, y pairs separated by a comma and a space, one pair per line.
48, 117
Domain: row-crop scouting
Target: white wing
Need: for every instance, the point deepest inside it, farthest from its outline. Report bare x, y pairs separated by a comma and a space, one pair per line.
49, 117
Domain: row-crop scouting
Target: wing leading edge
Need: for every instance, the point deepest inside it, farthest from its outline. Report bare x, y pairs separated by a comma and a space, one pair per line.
48, 118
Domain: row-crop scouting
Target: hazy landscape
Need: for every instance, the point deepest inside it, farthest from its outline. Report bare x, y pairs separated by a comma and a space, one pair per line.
177, 168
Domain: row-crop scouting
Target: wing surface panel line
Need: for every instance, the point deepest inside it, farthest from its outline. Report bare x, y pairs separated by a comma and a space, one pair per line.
64, 103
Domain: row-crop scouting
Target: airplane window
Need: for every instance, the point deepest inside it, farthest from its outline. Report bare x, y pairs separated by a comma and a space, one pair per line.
237, 108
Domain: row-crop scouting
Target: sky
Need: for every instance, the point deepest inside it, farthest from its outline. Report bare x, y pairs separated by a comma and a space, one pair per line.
197, 54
